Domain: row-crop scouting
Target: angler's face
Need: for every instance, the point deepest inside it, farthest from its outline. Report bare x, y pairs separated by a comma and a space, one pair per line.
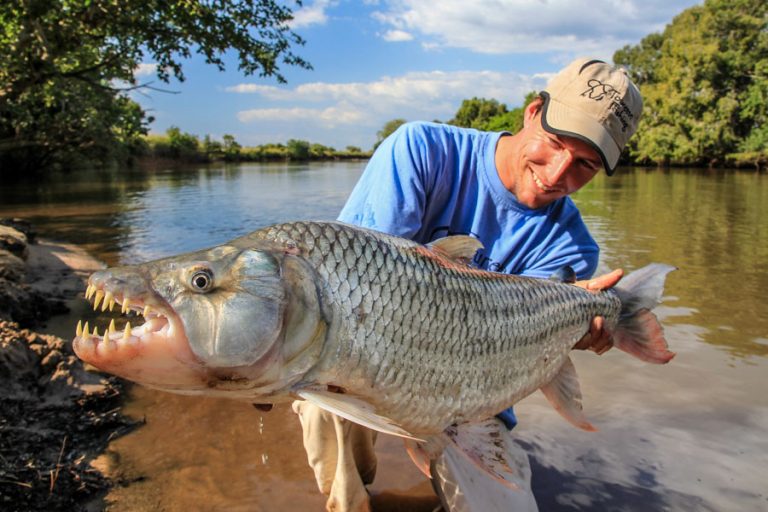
548, 167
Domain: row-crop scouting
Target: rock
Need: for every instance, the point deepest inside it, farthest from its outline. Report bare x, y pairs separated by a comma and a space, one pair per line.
14, 241
20, 303
20, 225
12, 267
19, 364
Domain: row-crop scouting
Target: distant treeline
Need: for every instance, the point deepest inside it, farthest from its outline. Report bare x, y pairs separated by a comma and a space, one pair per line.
68, 68
178, 145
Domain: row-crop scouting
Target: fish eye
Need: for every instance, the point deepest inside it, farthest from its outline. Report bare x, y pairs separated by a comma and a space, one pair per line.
201, 281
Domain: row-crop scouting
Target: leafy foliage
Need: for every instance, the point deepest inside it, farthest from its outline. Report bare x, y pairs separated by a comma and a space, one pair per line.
65, 65
490, 115
704, 82
298, 149
476, 113
387, 130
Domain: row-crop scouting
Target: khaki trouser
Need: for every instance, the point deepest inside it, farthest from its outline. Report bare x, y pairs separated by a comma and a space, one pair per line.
342, 456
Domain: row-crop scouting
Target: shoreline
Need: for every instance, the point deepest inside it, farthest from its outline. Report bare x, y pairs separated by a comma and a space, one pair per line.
56, 416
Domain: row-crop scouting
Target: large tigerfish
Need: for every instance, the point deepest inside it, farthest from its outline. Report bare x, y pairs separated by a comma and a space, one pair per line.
401, 337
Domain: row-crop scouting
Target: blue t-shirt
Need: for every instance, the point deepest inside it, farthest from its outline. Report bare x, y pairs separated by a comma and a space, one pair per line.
428, 180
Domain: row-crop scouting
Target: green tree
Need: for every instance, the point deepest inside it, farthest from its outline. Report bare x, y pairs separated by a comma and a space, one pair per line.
298, 149
477, 112
387, 130
704, 81
319, 151
231, 148
183, 146
511, 121
66, 65
212, 148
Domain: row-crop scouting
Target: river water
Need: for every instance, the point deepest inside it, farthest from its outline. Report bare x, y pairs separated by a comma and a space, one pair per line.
687, 436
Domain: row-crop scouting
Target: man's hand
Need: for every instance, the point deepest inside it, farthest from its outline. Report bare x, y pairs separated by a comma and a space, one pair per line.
597, 339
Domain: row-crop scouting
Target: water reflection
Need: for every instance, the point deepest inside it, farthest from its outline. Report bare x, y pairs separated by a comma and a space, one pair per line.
685, 436
708, 224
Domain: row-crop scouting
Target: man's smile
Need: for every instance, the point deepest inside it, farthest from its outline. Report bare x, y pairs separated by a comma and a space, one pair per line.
540, 183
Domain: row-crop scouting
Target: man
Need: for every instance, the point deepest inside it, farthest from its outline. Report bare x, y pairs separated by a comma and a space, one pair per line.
428, 180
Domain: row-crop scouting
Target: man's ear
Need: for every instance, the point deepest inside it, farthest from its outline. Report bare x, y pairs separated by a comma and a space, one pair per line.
532, 110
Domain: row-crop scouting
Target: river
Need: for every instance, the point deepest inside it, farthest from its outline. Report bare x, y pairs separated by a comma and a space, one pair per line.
687, 436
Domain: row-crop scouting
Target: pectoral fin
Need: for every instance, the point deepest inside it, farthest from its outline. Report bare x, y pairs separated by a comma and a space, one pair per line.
564, 394
356, 410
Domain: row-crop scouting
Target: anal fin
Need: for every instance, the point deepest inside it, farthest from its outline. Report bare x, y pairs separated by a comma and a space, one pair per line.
564, 393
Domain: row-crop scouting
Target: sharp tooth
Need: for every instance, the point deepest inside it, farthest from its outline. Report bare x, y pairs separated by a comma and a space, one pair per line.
95, 331
124, 308
79, 328
147, 310
97, 299
127, 333
108, 299
86, 333
112, 327
89, 291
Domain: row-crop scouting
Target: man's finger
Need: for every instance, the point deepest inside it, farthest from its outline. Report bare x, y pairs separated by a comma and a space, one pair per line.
605, 281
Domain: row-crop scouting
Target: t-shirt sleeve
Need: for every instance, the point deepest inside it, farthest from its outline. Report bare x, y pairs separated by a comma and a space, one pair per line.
391, 193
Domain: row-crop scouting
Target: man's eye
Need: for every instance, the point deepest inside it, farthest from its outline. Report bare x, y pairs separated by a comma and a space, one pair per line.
554, 142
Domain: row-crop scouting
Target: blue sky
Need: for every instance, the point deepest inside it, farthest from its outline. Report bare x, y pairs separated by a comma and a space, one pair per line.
376, 60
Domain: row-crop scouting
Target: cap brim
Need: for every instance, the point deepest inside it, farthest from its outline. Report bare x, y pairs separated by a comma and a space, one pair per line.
560, 119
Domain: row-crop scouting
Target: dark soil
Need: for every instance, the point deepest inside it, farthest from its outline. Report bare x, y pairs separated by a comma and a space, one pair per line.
55, 416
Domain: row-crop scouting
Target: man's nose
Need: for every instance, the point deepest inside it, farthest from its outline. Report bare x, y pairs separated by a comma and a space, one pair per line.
559, 165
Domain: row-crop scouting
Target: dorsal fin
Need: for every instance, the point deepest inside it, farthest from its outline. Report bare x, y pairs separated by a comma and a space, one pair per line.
458, 248
564, 274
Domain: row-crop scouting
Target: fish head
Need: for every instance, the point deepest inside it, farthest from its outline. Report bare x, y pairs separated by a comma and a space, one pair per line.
235, 319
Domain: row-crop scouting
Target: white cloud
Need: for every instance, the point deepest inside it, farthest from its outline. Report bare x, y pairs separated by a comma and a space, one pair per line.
394, 36
145, 69
313, 14
575, 27
250, 88
329, 117
416, 95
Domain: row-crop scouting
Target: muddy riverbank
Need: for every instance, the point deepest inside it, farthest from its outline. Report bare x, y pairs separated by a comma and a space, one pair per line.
55, 415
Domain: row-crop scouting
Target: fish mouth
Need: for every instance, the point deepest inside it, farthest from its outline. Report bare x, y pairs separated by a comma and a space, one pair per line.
155, 353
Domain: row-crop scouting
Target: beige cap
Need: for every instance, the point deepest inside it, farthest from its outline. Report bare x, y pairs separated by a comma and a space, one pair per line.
595, 102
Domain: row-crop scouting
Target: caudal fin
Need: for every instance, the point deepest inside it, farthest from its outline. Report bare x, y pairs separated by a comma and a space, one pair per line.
638, 331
